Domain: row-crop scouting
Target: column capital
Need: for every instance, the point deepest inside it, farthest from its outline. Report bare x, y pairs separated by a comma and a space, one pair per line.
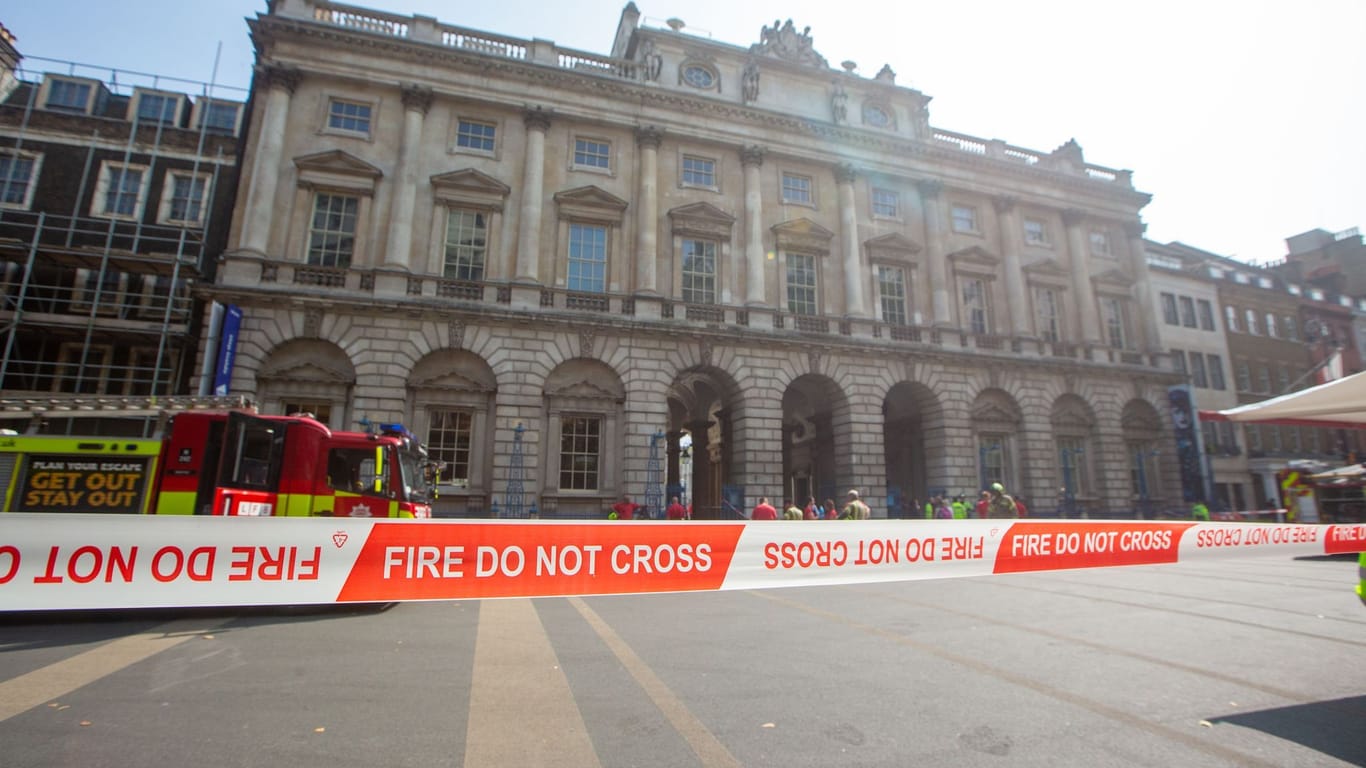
416, 97
287, 78
1134, 229
929, 188
1074, 217
537, 118
649, 136
1004, 203
752, 155
845, 173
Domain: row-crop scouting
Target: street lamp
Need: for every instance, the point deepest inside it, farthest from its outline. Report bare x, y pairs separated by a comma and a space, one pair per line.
1069, 455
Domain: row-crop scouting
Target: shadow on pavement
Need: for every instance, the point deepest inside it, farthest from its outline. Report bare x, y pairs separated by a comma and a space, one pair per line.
1333, 727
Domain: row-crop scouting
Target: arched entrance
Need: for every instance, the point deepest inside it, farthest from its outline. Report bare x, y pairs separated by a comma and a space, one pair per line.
701, 442
905, 412
815, 458
308, 376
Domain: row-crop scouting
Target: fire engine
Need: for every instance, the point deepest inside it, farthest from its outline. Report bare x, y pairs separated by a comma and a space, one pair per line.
224, 462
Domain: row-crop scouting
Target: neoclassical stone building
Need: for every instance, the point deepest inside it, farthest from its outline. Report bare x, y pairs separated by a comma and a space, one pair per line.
554, 264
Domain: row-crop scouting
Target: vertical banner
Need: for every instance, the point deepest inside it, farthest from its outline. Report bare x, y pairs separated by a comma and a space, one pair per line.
227, 349
1187, 446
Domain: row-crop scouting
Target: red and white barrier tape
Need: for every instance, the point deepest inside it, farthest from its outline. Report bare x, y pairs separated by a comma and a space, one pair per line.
113, 561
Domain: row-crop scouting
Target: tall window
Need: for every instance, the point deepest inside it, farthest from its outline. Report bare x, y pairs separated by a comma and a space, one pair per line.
1206, 314
350, 116
1100, 243
1292, 329
332, 233
1187, 312
1251, 317
470, 134
580, 452
1216, 372
797, 189
1071, 466
699, 271
466, 241
587, 258
886, 203
975, 305
1198, 377
699, 172
1271, 326
1046, 314
1244, 374
16, 175
1112, 314
1264, 379
801, 283
1179, 360
122, 191
1231, 318
449, 439
186, 194
964, 218
1169, 315
992, 460
891, 288
1035, 232
592, 154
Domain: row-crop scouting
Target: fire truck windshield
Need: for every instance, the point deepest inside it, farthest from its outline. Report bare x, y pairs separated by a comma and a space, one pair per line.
417, 478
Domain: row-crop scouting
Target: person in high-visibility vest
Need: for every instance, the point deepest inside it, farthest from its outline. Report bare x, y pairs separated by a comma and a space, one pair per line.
1361, 577
1200, 512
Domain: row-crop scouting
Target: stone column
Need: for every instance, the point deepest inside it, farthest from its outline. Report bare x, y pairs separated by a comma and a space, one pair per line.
752, 158
398, 249
533, 191
1143, 286
853, 272
1079, 251
935, 256
279, 83
701, 469
647, 211
1016, 296
673, 453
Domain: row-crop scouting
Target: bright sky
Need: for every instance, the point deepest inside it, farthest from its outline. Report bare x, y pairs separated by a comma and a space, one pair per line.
1243, 120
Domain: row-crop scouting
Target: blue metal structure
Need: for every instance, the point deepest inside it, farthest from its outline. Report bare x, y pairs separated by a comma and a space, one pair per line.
654, 478
514, 498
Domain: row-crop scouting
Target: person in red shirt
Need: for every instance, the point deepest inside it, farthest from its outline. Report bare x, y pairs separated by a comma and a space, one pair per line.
763, 510
982, 503
812, 512
676, 511
625, 509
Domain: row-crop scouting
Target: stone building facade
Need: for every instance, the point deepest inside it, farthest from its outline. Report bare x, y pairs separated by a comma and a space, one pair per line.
555, 264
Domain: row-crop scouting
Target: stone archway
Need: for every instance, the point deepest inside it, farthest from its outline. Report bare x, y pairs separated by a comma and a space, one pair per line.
1142, 430
701, 453
996, 423
817, 451
308, 375
909, 412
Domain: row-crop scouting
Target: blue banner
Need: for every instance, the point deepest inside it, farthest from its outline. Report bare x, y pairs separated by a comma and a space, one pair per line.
227, 349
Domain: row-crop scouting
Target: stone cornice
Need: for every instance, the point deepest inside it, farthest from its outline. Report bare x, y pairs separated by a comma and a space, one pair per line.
874, 141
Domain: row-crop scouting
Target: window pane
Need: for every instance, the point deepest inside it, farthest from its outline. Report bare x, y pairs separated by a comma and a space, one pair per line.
156, 108
1187, 312
891, 284
1206, 315
1216, 372
975, 305
1046, 313
220, 117
587, 268
449, 439
1169, 315
472, 135
64, 94
466, 241
699, 271
332, 237
801, 283
885, 203
348, 116
699, 172
580, 446
15, 176
796, 189
121, 198
187, 198
592, 154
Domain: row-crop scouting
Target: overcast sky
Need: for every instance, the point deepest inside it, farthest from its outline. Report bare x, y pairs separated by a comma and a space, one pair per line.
1243, 120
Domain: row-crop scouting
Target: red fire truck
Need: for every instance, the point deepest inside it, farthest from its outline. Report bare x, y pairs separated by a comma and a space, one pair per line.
223, 462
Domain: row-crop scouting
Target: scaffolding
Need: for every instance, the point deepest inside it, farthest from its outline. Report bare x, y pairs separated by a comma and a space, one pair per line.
99, 263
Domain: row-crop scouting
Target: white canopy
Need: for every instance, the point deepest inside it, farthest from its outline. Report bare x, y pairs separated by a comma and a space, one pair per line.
1340, 403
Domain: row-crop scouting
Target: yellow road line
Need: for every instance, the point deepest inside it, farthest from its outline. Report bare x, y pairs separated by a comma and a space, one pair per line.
522, 711
705, 745
45, 684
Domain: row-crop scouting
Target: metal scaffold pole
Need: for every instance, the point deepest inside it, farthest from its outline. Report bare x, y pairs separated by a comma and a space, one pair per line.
654, 477
516, 475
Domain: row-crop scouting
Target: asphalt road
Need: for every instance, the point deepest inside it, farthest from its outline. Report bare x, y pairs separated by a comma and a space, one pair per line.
1231, 663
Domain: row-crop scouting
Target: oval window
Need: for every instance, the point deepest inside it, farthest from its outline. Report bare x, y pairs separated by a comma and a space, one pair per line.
698, 76
876, 115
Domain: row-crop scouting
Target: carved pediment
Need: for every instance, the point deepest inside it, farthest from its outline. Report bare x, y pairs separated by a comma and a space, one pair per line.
702, 219
451, 382
786, 43
583, 389
992, 412
895, 242
590, 202
1046, 268
803, 235
975, 255
1072, 416
337, 161
1140, 421
1113, 280
470, 187
308, 371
